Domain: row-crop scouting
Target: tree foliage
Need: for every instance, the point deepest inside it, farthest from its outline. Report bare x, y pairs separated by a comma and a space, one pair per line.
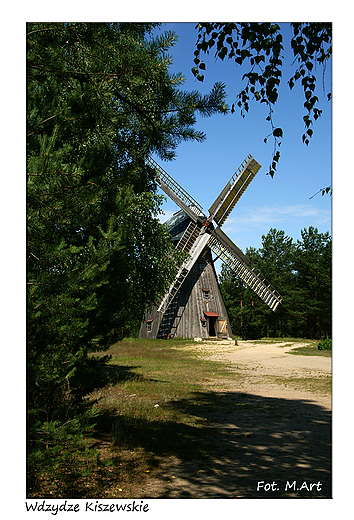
259, 47
301, 272
100, 100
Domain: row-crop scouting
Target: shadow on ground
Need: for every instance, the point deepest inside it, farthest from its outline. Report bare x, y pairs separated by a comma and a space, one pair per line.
245, 446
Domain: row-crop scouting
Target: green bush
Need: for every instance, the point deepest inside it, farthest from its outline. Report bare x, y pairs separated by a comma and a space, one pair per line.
60, 456
325, 344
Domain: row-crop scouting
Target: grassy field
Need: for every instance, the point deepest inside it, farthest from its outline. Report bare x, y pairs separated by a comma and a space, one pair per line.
155, 406
149, 410
311, 350
148, 377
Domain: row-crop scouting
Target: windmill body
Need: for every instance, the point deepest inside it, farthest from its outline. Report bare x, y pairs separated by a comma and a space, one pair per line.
193, 305
197, 310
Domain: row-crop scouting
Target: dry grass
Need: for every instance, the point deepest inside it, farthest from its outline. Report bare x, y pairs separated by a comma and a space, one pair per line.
157, 406
145, 412
317, 384
311, 350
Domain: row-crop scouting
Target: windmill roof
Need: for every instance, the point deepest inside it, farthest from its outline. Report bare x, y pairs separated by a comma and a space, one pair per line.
177, 224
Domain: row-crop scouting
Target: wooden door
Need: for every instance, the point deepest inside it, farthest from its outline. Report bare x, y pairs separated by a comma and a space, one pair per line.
222, 327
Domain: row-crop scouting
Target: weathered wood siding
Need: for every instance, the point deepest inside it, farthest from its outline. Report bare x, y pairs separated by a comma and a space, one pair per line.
199, 293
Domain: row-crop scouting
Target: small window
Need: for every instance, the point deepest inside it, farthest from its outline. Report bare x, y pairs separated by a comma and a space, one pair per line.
149, 325
206, 293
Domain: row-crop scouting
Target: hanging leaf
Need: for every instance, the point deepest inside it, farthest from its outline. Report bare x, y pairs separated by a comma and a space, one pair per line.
258, 47
278, 132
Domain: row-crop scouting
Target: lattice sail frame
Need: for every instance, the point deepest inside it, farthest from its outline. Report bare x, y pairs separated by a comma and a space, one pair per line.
255, 281
226, 201
175, 191
197, 235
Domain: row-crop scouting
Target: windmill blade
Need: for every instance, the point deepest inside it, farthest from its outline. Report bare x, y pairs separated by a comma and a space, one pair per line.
195, 250
225, 202
189, 237
198, 231
231, 256
176, 192
226, 242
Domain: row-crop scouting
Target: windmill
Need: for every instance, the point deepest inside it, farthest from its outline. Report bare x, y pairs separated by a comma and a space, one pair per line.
193, 306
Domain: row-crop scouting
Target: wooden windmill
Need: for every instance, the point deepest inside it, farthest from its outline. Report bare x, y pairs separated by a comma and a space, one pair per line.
193, 306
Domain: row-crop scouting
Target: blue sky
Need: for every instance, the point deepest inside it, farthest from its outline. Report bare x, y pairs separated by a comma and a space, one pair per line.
204, 168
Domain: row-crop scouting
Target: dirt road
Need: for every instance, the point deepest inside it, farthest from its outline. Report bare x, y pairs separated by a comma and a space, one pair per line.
269, 370
269, 428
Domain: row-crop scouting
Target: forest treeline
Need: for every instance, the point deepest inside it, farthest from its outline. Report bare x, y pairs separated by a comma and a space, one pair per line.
301, 271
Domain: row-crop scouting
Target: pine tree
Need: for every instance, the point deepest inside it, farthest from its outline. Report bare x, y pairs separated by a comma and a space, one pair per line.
313, 264
100, 100
301, 273
275, 261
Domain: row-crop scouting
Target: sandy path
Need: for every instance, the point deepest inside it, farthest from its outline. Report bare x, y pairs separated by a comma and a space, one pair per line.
272, 357
253, 361
262, 429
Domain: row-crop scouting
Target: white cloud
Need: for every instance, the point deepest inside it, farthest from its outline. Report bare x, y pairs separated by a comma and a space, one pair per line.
275, 215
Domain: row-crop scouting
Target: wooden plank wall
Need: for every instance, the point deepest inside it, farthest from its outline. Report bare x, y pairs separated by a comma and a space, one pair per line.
188, 308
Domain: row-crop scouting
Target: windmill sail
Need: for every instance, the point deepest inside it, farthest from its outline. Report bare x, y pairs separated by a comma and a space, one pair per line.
197, 247
193, 240
225, 202
201, 233
230, 255
175, 191
188, 238
224, 239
